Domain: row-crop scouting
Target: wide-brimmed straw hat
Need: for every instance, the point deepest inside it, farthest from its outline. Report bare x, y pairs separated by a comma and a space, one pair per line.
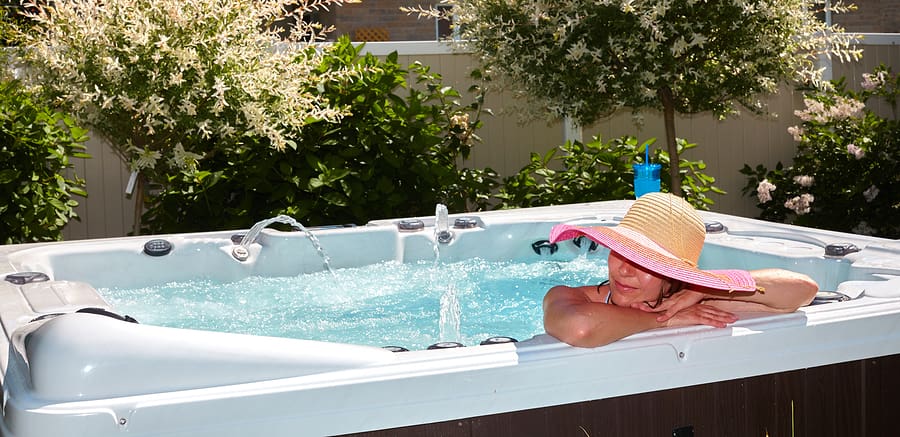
662, 233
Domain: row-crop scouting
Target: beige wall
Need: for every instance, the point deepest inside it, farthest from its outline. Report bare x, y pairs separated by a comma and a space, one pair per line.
107, 211
725, 146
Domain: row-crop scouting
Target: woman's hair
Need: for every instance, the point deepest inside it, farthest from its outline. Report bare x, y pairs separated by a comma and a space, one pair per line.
674, 287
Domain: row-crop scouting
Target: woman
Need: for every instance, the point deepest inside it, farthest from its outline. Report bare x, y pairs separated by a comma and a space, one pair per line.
654, 280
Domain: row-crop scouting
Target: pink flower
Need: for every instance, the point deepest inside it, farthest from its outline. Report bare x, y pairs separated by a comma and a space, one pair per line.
842, 109
764, 191
856, 151
800, 204
872, 81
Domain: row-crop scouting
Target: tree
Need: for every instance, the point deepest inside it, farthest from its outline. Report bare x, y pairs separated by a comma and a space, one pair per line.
587, 59
171, 83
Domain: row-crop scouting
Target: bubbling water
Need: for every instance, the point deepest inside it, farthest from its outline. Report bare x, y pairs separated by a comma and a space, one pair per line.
382, 304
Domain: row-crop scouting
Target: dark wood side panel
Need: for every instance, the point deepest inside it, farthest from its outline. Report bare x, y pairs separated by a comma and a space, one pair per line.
881, 395
856, 398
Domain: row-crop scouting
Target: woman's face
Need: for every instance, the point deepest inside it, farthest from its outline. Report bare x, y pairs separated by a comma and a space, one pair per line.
630, 283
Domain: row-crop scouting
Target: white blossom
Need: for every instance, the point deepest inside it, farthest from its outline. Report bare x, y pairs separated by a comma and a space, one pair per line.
796, 132
144, 158
856, 151
577, 51
460, 120
184, 159
804, 181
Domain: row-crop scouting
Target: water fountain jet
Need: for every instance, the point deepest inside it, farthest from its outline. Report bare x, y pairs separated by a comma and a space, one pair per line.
241, 251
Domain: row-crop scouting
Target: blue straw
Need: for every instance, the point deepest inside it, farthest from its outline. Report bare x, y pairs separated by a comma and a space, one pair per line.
647, 155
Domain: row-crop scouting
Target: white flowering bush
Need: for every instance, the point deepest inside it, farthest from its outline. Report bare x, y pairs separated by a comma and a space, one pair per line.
588, 59
397, 153
844, 176
170, 82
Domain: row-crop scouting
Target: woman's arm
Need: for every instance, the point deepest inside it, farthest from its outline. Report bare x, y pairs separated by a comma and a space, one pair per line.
782, 291
576, 316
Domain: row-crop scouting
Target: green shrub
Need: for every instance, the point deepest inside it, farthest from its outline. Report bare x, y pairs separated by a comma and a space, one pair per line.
36, 145
597, 171
390, 156
844, 176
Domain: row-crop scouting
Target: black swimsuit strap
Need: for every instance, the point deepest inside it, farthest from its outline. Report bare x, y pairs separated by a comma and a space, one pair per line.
608, 295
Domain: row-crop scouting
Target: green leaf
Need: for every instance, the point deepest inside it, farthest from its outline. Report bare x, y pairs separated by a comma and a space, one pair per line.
8, 175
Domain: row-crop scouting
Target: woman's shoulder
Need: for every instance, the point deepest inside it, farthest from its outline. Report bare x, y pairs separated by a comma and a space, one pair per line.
583, 293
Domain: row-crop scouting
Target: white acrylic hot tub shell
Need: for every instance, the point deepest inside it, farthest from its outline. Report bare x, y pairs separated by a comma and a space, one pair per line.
91, 375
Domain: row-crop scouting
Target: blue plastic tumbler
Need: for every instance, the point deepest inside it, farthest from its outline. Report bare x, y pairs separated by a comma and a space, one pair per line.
646, 178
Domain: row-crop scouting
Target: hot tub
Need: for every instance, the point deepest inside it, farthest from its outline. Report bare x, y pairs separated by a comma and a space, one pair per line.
67, 372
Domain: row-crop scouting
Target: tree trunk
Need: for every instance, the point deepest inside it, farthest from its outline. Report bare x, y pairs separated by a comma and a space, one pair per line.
669, 116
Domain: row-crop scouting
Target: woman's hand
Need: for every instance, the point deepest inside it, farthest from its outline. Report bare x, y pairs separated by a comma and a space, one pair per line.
700, 314
686, 308
673, 304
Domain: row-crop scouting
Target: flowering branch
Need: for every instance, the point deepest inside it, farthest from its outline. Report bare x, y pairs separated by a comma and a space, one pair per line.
162, 80
844, 174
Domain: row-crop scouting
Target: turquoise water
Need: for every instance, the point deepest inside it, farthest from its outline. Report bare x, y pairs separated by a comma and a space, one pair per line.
408, 305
